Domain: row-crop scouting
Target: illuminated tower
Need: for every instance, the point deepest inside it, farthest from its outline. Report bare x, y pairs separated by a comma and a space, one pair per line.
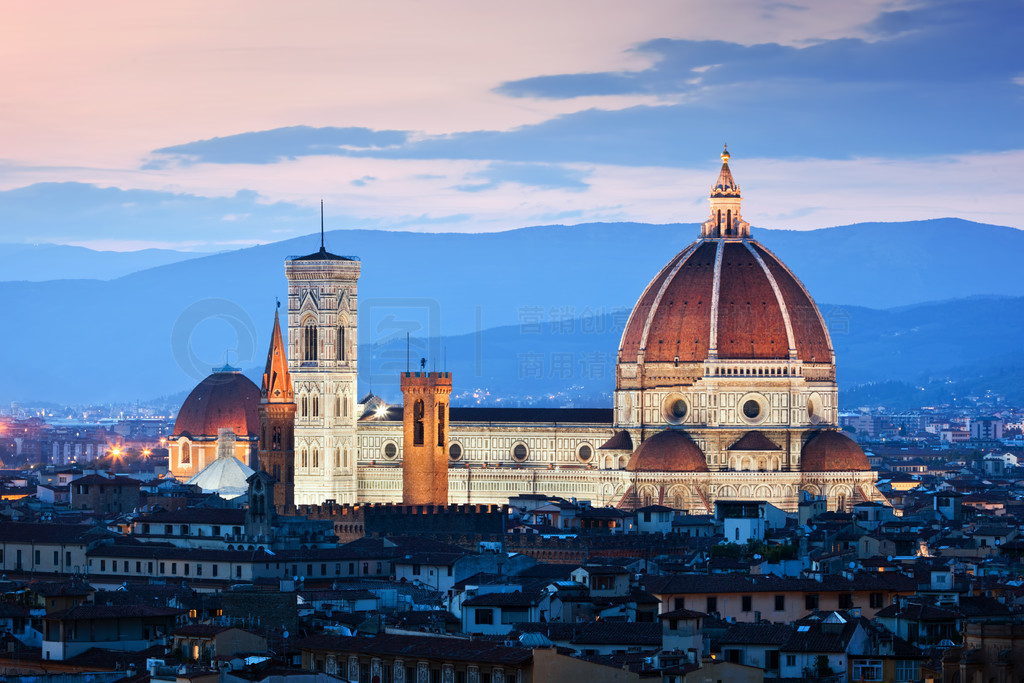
322, 360
425, 437
277, 423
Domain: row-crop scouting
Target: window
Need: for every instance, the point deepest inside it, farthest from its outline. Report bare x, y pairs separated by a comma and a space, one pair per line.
906, 670
186, 457
56, 557
417, 424
238, 571
138, 567
305, 458
483, 615
415, 570
790, 660
309, 346
455, 451
316, 451
780, 603
520, 452
712, 604
811, 601
390, 449
585, 453
316, 405
772, 660
867, 670
746, 603
186, 568
875, 601
199, 569
680, 603
341, 343
38, 560
213, 570
103, 565
304, 406
845, 601
174, 567
440, 424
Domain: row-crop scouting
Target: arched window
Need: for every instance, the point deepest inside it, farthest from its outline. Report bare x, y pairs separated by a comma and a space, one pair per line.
186, 453
440, 424
417, 424
304, 406
305, 461
316, 458
344, 406
337, 406
316, 405
275, 439
341, 343
344, 461
309, 346
337, 458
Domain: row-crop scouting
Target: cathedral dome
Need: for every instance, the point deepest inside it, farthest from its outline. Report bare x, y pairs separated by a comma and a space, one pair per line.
730, 299
725, 297
668, 451
225, 399
829, 450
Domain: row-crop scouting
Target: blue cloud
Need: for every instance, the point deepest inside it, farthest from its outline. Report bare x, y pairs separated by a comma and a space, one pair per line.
269, 146
938, 43
543, 176
939, 79
61, 212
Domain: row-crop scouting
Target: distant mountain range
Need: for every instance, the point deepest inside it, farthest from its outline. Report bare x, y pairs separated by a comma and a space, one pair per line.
40, 262
488, 301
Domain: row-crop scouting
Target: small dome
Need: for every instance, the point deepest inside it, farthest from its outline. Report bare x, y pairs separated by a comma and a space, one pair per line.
668, 451
828, 450
227, 398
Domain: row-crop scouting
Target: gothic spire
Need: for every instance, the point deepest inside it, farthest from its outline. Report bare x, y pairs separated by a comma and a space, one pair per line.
277, 381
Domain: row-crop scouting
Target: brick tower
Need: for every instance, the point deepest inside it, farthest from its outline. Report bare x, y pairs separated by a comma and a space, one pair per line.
277, 423
425, 437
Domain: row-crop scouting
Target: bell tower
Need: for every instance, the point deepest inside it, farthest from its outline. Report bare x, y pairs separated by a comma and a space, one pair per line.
277, 424
322, 308
425, 437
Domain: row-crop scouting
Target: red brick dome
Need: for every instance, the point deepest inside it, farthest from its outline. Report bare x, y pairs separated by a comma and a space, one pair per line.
227, 398
668, 451
730, 297
828, 450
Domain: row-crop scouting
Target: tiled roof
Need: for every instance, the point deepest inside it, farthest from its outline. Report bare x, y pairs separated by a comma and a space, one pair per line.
513, 599
614, 633
84, 612
421, 647
756, 634
221, 516
737, 583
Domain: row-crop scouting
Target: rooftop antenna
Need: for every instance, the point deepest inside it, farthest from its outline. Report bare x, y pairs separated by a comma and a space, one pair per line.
321, 224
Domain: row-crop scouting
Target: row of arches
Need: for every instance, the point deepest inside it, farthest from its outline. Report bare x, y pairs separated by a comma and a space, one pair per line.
309, 405
309, 458
310, 339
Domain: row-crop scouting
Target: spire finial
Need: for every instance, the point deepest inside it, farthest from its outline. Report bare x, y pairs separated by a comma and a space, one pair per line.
725, 153
321, 224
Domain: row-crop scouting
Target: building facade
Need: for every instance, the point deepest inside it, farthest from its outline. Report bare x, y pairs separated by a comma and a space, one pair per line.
725, 389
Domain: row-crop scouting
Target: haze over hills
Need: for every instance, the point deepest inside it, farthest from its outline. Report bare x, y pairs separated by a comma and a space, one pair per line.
159, 330
40, 262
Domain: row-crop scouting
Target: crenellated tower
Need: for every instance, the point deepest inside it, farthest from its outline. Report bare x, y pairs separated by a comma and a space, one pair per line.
277, 423
425, 437
322, 308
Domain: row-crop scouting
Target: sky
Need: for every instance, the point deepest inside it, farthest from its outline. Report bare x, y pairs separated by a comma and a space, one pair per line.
207, 126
